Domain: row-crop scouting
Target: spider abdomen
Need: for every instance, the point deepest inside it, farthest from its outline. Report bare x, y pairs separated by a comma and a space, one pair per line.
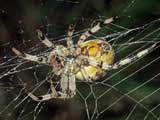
100, 52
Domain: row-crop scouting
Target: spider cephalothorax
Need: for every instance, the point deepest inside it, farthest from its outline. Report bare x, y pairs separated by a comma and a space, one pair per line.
87, 60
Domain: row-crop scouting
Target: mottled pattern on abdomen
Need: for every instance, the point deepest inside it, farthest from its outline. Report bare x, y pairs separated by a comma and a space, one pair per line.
92, 48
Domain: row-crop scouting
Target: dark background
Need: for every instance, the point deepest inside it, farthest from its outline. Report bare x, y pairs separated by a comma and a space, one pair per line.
20, 18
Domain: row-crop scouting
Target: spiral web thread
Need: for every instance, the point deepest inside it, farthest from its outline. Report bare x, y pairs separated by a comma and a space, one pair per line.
119, 89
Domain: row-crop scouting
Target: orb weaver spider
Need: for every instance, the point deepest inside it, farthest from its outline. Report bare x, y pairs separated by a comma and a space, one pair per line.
86, 60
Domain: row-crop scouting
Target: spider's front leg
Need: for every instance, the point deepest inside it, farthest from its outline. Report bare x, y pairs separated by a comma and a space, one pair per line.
68, 85
70, 34
70, 44
68, 80
34, 58
44, 39
96, 28
39, 59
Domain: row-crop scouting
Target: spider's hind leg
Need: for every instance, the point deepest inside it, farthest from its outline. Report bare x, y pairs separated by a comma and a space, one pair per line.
123, 62
133, 58
49, 96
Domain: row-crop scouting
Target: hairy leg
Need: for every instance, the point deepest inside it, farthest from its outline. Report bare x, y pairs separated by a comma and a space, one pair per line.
44, 39
96, 28
34, 58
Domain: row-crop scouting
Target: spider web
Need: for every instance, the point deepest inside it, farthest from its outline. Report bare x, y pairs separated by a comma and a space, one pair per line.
129, 93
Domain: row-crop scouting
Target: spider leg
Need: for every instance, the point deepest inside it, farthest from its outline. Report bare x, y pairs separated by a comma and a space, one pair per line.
68, 85
95, 28
44, 39
131, 59
88, 61
85, 75
68, 90
69, 38
83, 72
41, 59
41, 98
91, 61
53, 94
68, 80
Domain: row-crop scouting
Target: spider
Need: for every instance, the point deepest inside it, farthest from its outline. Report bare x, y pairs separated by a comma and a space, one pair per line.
85, 60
